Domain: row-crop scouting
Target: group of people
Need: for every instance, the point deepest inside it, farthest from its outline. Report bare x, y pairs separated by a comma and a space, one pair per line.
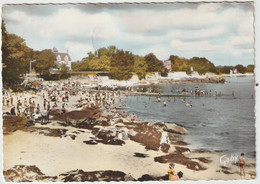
195, 92
64, 95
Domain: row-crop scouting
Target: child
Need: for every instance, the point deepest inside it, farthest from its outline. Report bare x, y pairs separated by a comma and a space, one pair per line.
171, 171
241, 163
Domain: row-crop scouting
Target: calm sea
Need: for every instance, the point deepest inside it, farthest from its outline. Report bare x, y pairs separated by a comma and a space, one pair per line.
224, 122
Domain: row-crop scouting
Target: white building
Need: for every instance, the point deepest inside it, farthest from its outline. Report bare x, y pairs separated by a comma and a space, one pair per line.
62, 58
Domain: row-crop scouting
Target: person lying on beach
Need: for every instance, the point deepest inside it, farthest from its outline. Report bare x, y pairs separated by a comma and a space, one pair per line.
241, 163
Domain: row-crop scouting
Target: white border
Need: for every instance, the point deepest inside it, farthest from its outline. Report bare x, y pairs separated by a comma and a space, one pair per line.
257, 78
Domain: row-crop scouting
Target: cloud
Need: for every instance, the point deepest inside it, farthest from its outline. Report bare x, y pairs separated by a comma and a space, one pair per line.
193, 46
78, 50
208, 29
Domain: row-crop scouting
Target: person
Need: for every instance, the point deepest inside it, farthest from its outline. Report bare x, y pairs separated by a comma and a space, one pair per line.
38, 109
11, 99
48, 106
12, 111
132, 117
171, 171
241, 163
172, 175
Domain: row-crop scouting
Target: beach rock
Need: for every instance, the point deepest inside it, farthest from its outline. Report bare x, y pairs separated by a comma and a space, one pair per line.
204, 160
147, 135
51, 132
173, 128
175, 157
160, 125
13, 123
179, 159
181, 149
165, 147
194, 166
23, 173
81, 176
145, 177
89, 113
108, 137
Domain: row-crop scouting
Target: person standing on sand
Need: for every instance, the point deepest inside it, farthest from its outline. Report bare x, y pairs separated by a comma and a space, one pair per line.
241, 163
11, 99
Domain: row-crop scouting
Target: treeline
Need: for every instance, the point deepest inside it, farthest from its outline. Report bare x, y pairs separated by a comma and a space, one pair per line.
16, 57
203, 65
239, 68
122, 65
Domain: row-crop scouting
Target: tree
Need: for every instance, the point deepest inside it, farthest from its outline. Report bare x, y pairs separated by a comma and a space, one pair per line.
44, 62
202, 65
99, 64
15, 57
64, 72
140, 67
121, 65
224, 69
250, 68
154, 64
240, 68
179, 64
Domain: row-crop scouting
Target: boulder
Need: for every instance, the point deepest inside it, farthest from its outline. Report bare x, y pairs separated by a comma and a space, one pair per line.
81, 176
173, 128
147, 135
165, 147
23, 173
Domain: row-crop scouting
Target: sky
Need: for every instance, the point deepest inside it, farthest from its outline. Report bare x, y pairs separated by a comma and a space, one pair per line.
221, 32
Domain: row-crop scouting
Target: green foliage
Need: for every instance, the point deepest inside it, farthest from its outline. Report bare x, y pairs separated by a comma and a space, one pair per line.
121, 65
15, 57
224, 69
240, 68
140, 67
64, 72
64, 69
98, 61
201, 65
179, 64
250, 68
154, 64
44, 62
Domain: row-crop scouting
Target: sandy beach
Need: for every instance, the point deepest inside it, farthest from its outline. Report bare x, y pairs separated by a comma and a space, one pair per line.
98, 144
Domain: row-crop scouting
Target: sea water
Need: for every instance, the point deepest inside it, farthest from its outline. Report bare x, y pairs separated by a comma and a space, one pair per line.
223, 120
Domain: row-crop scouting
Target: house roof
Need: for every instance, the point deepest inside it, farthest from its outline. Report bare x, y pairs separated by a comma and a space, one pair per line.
62, 55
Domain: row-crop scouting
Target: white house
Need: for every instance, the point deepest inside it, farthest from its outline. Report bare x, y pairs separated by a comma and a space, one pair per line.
62, 58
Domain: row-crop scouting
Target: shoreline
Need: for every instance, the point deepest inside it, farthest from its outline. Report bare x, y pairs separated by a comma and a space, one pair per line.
96, 145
